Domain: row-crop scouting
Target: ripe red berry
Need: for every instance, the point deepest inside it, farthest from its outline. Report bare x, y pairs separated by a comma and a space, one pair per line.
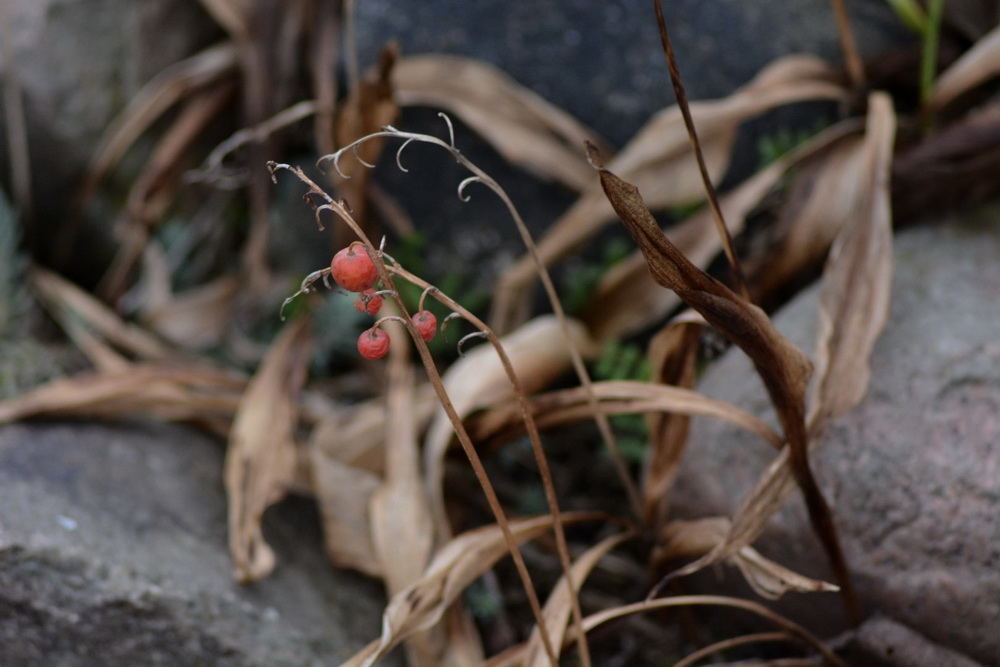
373, 343
426, 324
368, 302
353, 269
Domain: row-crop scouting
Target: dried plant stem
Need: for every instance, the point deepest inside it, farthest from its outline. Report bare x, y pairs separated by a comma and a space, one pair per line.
713, 200
733, 642
855, 68
481, 176
536, 445
929, 56
791, 627
341, 211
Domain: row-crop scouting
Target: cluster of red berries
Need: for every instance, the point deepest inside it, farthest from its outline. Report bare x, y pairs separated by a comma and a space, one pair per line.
353, 269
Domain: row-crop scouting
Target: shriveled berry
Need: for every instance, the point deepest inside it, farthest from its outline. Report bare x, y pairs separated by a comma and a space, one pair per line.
368, 302
353, 269
426, 324
373, 343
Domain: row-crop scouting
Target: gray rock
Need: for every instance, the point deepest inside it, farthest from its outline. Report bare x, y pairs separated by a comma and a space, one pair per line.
113, 551
913, 473
882, 642
603, 61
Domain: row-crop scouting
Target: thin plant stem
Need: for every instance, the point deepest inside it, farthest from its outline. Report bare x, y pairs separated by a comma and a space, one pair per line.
595, 620
342, 212
533, 434
852, 60
713, 200
732, 642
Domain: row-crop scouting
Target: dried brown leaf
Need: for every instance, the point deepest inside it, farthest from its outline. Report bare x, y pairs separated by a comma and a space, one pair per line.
857, 281
459, 562
170, 392
261, 457
524, 128
198, 318
659, 160
784, 368
976, 65
344, 495
770, 580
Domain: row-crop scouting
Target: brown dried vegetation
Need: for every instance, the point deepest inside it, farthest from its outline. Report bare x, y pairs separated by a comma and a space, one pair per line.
377, 467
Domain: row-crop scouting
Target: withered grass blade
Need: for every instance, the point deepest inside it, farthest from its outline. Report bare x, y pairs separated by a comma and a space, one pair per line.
459, 562
974, 67
261, 456
524, 128
680, 539
857, 281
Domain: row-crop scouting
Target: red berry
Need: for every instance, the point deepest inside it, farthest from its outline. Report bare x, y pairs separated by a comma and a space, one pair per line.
373, 343
353, 269
368, 302
426, 324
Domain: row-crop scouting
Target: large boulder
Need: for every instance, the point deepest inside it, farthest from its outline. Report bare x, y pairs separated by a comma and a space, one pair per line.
113, 552
913, 473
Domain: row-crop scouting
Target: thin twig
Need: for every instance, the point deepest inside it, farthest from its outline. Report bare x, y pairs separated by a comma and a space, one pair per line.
732, 642
713, 200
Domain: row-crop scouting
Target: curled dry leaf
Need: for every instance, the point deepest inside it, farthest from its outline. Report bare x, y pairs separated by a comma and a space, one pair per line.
659, 160
856, 297
538, 353
976, 65
459, 562
680, 539
672, 356
524, 128
261, 456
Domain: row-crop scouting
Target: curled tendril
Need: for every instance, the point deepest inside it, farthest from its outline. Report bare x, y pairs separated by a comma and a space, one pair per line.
306, 287
423, 296
399, 155
464, 184
446, 320
451, 129
468, 337
354, 149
